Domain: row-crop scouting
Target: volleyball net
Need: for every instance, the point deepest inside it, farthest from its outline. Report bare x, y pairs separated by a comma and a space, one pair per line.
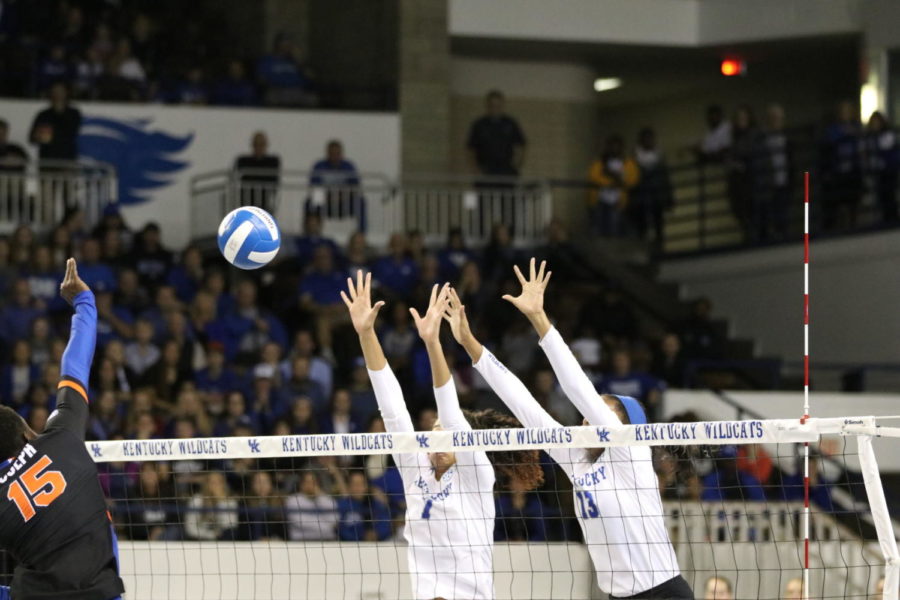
323, 516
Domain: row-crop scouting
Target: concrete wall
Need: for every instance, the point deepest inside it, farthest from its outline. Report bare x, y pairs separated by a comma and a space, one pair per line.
854, 288
653, 22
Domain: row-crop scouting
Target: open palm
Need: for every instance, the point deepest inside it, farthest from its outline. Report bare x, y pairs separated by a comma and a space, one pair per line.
531, 300
455, 314
359, 302
429, 326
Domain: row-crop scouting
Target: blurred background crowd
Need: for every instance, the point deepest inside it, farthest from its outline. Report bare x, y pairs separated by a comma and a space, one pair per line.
189, 347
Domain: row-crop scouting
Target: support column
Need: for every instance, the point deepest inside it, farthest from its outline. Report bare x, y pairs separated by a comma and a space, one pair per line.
424, 86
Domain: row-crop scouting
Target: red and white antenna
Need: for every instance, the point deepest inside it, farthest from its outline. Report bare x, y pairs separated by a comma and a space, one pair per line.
805, 593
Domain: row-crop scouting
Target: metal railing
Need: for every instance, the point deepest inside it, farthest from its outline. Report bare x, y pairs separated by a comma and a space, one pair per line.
39, 195
374, 204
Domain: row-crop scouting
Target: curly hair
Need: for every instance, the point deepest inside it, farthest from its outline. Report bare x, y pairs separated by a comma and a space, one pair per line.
521, 465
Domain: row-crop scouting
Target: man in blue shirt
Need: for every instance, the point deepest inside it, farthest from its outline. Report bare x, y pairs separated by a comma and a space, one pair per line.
397, 273
98, 275
322, 286
623, 381
286, 81
335, 183
311, 239
16, 316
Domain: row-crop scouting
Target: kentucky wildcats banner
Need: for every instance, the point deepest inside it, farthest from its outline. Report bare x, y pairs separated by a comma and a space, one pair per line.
652, 434
157, 149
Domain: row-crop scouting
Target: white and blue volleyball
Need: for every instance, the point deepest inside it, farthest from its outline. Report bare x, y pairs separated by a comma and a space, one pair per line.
249, 237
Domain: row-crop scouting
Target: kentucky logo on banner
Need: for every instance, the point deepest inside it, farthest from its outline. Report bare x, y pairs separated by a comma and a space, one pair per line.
144, 159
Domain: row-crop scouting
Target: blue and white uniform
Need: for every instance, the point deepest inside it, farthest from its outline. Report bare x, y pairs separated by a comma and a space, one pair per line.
449, 522
617, 498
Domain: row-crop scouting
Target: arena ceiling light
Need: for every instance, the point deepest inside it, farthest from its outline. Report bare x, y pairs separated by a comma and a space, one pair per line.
604, 84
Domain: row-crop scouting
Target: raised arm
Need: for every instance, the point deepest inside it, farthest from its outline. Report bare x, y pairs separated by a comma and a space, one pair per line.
384, 382
574, 381
506, 385
72, 399
429, 327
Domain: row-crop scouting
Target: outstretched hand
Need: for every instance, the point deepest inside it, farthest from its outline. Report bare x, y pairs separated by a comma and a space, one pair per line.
359, 302
455, 314
72, 284
429, 326
530, 301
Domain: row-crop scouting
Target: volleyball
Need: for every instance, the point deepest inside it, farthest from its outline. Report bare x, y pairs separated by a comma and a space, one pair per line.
249, 237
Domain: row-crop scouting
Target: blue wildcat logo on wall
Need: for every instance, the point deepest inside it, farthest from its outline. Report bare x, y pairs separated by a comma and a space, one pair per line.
143, 158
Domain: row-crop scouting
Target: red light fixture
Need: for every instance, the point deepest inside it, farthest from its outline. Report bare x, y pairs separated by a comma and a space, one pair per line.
733, 66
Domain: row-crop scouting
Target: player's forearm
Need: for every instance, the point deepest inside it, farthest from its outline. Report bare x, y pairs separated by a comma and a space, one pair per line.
76, 360
472, 347
513, 392
371, 349
389, 396
541, 323
447, 400
575, 382
440, 372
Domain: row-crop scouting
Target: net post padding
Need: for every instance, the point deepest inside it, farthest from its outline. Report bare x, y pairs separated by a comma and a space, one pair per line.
880, 515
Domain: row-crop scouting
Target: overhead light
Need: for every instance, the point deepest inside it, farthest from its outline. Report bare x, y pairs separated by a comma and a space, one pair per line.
604, 84
733, 66
868, 101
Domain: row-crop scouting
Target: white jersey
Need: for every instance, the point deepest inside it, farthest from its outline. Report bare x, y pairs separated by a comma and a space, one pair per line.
616, 496
449, 523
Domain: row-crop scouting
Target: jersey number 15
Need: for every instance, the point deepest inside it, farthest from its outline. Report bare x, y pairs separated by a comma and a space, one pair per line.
36, 488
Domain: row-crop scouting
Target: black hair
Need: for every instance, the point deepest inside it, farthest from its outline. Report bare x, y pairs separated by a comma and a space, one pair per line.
523, 465
12, 433
494, 94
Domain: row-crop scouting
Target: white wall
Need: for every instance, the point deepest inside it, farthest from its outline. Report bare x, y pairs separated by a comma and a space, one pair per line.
378, 571
664, 22
854, 295
333, 571
371, 140
652, 22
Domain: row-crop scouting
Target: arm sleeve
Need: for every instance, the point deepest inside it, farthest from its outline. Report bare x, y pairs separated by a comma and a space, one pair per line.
479, 468
523, 405
575, 382
390, 400
396, 418
513, 392
449, 413
76, 360
72, 398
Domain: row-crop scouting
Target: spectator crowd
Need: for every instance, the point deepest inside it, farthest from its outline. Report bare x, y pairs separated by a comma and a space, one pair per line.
188, 347
143, 52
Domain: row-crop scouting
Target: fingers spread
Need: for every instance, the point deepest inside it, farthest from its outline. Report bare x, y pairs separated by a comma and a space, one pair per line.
351, 288
415, 315
547, 278
540, 275
521, 277
531, 274
346, 299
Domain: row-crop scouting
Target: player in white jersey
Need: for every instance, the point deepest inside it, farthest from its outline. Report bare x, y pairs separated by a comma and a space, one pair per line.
615, 490
450, 498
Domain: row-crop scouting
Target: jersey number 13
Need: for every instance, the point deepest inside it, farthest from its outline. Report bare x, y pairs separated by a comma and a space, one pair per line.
36, 488
589, 508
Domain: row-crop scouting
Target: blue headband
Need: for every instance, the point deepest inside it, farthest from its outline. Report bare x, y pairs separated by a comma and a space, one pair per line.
633, 409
